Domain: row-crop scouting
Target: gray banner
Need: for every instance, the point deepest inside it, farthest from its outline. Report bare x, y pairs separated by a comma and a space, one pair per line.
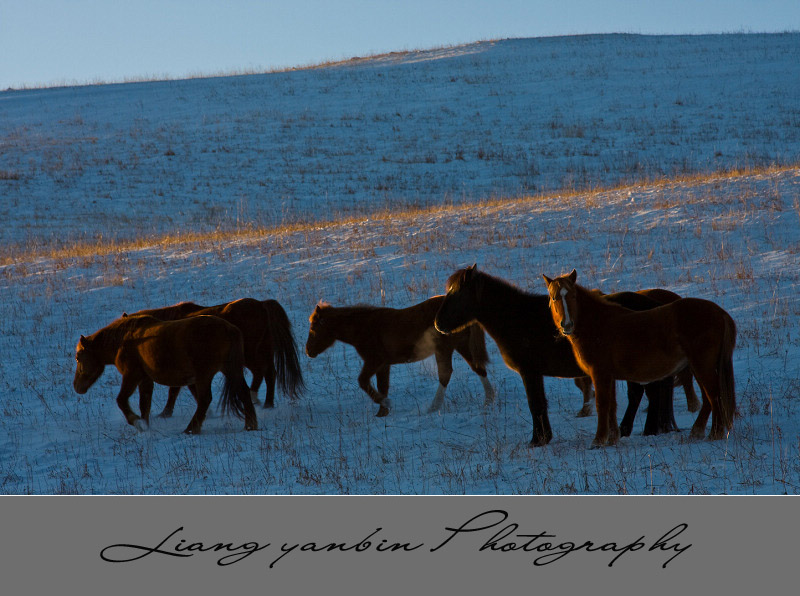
360, 545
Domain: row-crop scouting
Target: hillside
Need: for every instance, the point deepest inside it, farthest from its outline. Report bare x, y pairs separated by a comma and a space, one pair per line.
502, 118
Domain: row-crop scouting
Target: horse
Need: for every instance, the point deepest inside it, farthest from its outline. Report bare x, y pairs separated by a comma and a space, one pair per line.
610, 342
270, 351
386, 336
189, 352
521, 326
662, 419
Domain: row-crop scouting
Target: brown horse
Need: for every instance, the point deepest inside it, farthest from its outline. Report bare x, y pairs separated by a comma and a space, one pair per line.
610, 342
386, 336
270, 351
189, 352
663, 418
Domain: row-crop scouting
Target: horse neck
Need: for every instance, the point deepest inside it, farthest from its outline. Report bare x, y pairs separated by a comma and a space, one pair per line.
593, 313
496, 297
344, 324
108, 339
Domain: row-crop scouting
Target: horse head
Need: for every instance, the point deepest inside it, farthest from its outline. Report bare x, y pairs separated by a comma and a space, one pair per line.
563, 307
320, 337
89, 366
460, 305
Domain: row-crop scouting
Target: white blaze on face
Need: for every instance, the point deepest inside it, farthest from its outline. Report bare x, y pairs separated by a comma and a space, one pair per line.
566, 322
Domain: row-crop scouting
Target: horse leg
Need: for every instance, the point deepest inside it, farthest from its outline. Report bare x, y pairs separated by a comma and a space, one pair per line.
364, 378
660, 414
382, 379
587, 389
269, 376
129, 384
666, 413
202, 395
606, 395
255, 385
699, 427
710, 389
480, 370
145, 399
684, 377
635, 393
172, 397
444, 365
537, 403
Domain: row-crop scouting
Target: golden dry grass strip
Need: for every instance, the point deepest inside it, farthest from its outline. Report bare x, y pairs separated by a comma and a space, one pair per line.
20, 255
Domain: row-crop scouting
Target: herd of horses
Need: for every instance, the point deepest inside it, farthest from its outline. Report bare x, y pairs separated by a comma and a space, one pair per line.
652, 339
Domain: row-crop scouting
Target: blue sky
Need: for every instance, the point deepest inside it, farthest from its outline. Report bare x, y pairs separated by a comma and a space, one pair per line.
52, 42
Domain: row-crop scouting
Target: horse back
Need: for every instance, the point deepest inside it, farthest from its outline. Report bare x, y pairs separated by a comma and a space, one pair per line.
173, 312
180, 352
660, 295
403, 334
702, 320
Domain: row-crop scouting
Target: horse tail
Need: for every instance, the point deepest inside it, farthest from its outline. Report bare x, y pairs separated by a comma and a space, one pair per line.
287, 365
725, 371
477, 345
235, 393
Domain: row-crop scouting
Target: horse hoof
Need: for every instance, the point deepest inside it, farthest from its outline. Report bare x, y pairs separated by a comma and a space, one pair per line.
698, 434
251, 427
584, 412
382, 411
140, 425
624, 431
165, 415
268, 405
191, 431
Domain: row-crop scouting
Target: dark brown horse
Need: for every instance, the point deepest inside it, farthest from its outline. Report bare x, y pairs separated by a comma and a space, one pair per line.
610, 342
386, 336
270, 351
189, 352
521, 326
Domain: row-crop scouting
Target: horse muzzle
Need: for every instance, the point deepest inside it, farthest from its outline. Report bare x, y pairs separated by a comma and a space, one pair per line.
567, 329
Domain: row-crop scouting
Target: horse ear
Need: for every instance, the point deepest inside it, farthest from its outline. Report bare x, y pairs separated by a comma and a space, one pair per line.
547, 280
474, 266
573, 276
124, 315
83, 341
468, 272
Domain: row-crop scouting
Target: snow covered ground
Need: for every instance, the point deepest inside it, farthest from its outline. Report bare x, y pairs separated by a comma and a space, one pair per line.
490, 119
582, 111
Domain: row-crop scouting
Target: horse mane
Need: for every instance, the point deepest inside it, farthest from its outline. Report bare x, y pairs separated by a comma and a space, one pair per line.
345, 311
597, 296
455, 281
336, 313
112, 334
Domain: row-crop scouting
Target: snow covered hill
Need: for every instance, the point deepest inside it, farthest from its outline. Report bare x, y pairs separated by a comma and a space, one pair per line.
500, 118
